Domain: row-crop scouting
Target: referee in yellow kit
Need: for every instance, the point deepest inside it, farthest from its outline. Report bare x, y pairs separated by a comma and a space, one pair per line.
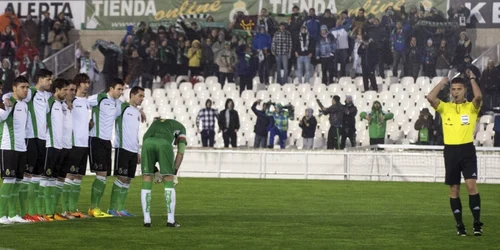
459, 121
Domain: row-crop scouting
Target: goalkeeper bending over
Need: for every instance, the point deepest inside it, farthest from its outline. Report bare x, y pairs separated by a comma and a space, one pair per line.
157, 146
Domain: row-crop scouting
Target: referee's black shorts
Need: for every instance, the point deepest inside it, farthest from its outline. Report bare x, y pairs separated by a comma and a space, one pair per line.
460, 159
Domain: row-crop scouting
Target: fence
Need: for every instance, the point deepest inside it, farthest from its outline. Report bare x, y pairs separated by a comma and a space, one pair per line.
493, 53
393, 163
63, 60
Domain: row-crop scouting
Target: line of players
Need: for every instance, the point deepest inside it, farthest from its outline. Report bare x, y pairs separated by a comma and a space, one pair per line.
45, 145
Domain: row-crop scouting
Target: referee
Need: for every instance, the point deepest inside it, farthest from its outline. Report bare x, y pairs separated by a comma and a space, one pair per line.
459, 121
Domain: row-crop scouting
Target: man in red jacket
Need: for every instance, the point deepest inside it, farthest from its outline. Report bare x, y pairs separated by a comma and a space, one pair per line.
25, 54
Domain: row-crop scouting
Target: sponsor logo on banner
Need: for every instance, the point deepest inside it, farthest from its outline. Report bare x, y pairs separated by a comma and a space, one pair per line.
483, 13
73, 9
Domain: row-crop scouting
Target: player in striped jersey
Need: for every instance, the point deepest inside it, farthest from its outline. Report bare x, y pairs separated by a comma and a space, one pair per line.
36, 134
104, 107
61, 188
13, 150
157, 146
55, 122
126, 150
77, 166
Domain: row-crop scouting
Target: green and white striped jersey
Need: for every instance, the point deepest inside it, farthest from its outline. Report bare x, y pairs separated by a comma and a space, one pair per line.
13, 126
103, 114
80, 122
55, 121
127, 128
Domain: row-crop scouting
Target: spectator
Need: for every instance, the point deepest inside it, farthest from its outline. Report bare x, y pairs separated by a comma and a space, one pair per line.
142, 48
295, 22
261, 125
313, 24
192, 32
226, 60
44, 27
246, 67
8, 44
357, 35
144, 33
308, 124
127, 46
304, 52
425, 127
9, 18
390, 19
209, 66
463, 49
181, 58
261, 40
280, 126
66, 23
457, 12
194, 56
349, 123
413, 58
380, 36
347, 21
7, 76
325, 49
267, 21
29, 31
437, 134
368, 53
328, 19
443, 60
359, 20
266, 63
57, 38
134, 69
489, 86
33, 67
342, 53
281, 48
398, 46
207, 116
172, 34
336, 115
25, 54
218, 46
429, 64
496, 128
112, 58
377, 121
149, 68
229, 123
166, 59
86, 65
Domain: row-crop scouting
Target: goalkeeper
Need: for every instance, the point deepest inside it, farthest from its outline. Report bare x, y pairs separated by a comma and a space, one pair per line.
157, 147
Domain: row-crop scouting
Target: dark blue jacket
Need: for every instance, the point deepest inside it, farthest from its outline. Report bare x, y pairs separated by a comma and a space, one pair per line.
245, 66
261, 41
312, 24
309, 131
263, 121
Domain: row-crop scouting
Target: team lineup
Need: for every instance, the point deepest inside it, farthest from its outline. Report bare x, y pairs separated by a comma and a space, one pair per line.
48, 137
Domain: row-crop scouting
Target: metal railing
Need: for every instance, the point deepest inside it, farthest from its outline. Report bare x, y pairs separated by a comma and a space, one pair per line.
62, 60
493, 53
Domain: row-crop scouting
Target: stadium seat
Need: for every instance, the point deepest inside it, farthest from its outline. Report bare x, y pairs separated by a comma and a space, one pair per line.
218, 94
413, 114
488, 143
358, 81
158, 93
315, 80
385, 96
293, 95
229, 87
401, 119
397, 110
193, 111
211, 79
182, 79
407, 127
147, 92
370, 95
161, 101
202, 95
422, 105
247, 94
334, 88
401, 96
436, 80
263, 95
324, 96
126, 94
486, 119
185, 86
277, 95
233, 94
188, 94
176, 101
200, 86
345, 80
349, 88
297, 102
396, 88
407, 80
170, 85
412, 88
482, 136
304, 88
319, 88
423, 80
191, 102
148, 102
308, 96
212, 87
165, 111
274, 88
319, 142
173, 93
289, 87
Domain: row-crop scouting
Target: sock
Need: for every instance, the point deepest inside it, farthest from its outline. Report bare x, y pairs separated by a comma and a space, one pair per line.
456, 209
146, 200
23, 196
75, 195
49, 197
14, 198
115, 193
57, 194
475, 206
5, 192
97, 190
170, 200
40, 199
123, 197
33, 188
66, 190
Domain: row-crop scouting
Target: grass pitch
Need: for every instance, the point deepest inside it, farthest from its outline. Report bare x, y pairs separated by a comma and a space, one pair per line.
274, 214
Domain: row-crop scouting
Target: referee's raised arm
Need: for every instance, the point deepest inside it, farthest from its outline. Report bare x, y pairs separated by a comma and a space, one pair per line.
432, 97
478, 96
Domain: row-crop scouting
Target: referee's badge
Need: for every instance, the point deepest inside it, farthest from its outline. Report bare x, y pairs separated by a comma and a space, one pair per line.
465, 119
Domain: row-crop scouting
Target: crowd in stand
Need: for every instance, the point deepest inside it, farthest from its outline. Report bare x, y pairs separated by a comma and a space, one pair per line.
25, 43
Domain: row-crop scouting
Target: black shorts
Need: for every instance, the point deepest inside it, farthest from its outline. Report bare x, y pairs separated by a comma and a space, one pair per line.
52, 163
460, 159
35, 156
100, 155
13, 163
65, 162
125, 163
77, 161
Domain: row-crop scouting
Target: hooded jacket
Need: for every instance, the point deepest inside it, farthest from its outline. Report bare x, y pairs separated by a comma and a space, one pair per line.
312, 24
308, 126
234, 119
326, 46
378, 122
263, 121
350, 112
261, 41
194, 55
30, 51
247, 63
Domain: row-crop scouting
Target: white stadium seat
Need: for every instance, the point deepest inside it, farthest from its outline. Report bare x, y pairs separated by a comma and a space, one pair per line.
202, 95
319, 88
334, 88
212, 87
201, 86
304, 88
211, 79
185, 86
229, 87
349, 88
345, 80
173, 93
263, 95
274, 88
289, 87
486, 119
423, 80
